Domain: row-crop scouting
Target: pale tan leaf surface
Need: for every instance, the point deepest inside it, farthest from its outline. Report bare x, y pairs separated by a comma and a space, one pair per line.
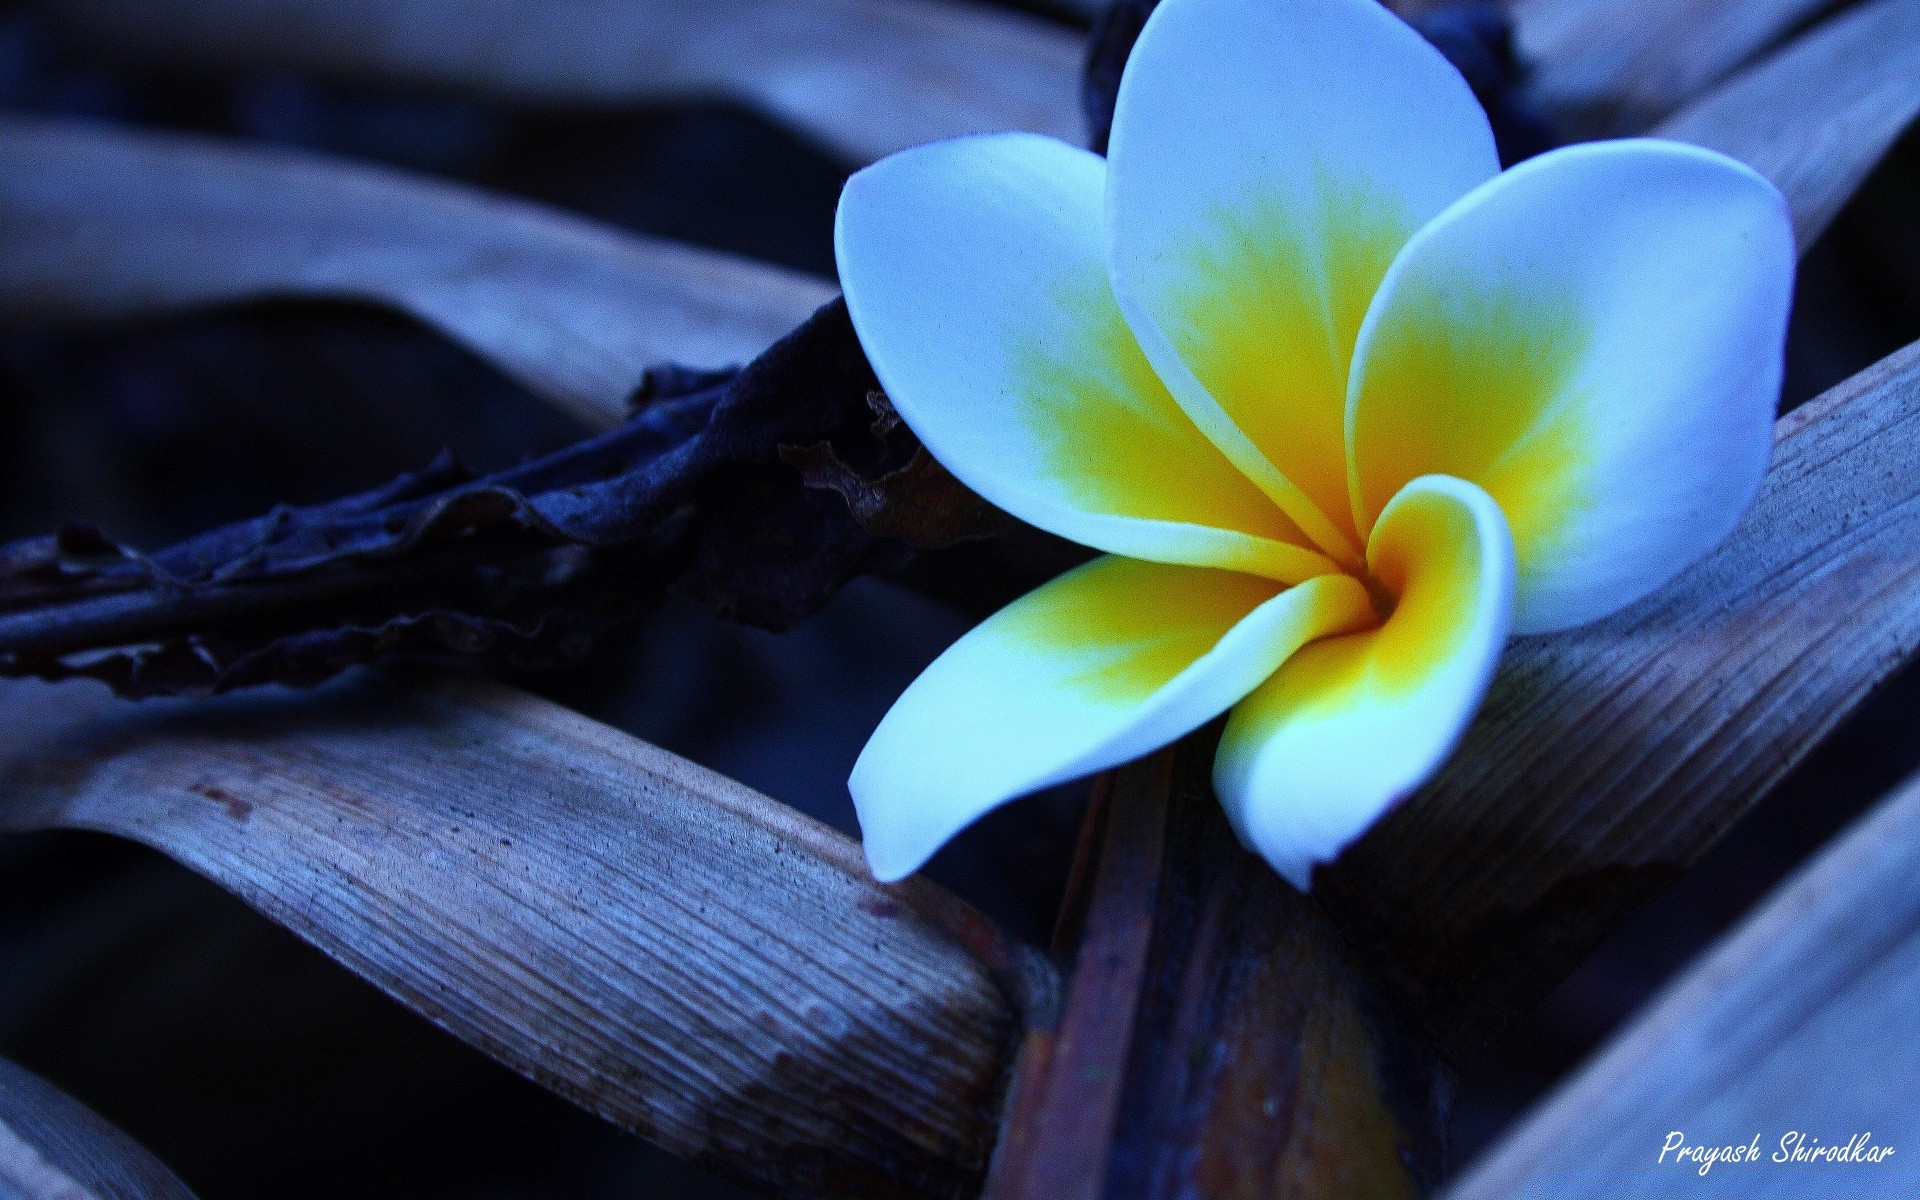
1609, 758
52, 1147
865, 77
1800, 1019
100, 224
1818, 115
1611, 67
651, 940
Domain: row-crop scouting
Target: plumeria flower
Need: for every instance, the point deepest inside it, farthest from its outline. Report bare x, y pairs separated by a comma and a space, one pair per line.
1342, 404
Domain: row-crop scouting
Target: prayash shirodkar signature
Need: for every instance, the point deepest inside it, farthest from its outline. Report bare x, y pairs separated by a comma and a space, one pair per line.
1793, 1147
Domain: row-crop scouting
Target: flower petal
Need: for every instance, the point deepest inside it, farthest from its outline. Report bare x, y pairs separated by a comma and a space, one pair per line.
1595, 338
1349, 726
1102, 665
1269, 158
975, 272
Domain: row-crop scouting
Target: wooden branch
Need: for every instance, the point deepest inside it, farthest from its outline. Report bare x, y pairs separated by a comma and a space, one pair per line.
1800, 1019
52, 1147
1214, 1042
658, 944
104, 224
1610, 67
1818, 115
1609, 758
865, 77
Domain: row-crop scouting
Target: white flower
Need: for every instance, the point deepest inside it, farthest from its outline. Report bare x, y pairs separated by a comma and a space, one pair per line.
1342, 403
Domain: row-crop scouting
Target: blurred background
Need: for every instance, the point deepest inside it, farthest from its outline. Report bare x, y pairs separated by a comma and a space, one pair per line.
255, 1067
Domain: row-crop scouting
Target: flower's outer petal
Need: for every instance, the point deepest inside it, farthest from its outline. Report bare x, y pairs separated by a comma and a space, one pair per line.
975, 272
1269, 158
1596, 339
1349, 726
1102, 665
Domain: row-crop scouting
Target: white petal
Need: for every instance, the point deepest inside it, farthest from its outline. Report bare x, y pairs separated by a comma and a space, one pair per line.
1350, 725
975, 272
1269, 158
1596, 339
1102, 665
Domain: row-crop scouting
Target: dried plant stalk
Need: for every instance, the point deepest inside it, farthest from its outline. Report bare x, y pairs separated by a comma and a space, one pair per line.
103, 224
1215, 1040
52, 1147
1801, 1019
1608, 67
1818, 115
866, 77
653, 941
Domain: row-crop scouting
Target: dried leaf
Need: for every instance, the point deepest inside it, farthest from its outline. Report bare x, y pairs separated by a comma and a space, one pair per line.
52, 1147
525, 567
866, 77
1820, 114
1798, 1019
104, 224
920, 504
656, 943
1214, 1040
1610, 67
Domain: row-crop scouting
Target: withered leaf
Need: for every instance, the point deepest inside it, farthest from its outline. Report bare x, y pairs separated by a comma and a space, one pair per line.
525, 567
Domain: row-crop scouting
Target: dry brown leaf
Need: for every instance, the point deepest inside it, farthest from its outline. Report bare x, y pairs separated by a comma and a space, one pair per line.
865, 77
52, 1147
653, 941
102, 224
1609, 67
1817, 116
1800, 1019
